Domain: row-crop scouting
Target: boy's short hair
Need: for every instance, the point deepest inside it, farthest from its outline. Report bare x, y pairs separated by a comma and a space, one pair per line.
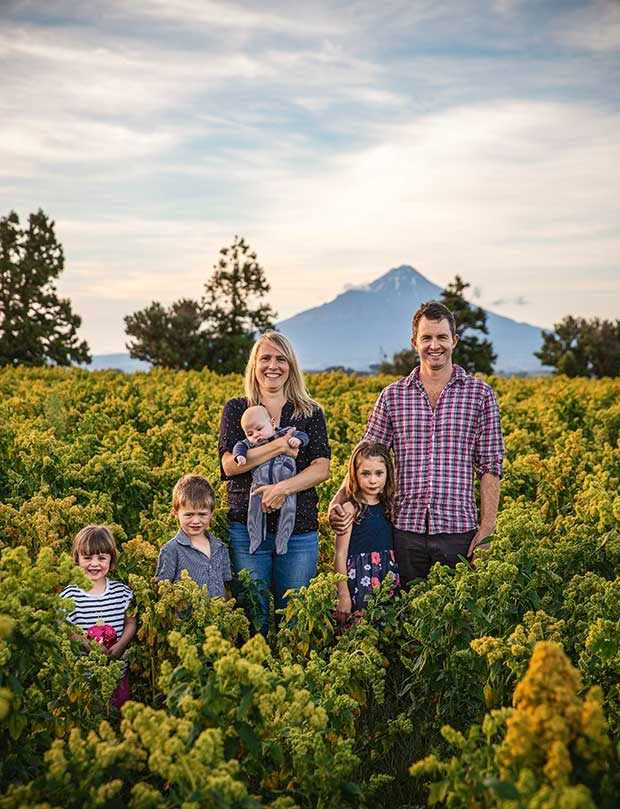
195, 490
94, 539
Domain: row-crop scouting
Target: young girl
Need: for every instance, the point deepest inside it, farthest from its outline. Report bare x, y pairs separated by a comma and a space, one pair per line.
102, 611
364, 553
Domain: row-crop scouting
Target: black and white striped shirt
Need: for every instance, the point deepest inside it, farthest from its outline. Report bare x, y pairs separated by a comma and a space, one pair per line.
108, 607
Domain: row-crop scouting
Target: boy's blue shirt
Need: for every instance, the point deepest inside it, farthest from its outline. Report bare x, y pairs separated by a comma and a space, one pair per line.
179, 554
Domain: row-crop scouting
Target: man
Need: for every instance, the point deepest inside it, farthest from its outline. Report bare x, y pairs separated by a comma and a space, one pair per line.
442, 423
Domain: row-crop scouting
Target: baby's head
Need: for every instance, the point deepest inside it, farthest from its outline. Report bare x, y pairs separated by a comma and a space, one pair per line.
257, 424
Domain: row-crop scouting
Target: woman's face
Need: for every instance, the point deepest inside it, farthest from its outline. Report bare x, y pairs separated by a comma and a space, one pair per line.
272, 368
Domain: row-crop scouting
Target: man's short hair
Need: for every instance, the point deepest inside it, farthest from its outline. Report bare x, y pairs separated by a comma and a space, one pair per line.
193, 490
433, 310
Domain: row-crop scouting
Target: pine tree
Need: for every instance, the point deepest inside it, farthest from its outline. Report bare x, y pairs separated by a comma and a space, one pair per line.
216, 332
580, 347
36, 326
472, 353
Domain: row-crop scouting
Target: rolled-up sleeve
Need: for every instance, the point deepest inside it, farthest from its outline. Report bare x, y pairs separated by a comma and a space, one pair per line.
379, 427
166, 563
488, 456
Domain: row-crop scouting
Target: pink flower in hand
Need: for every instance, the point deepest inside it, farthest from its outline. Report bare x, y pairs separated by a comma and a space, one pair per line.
103, 634
375, 582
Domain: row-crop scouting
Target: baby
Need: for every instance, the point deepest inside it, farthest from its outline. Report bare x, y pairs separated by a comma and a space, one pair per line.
259, 428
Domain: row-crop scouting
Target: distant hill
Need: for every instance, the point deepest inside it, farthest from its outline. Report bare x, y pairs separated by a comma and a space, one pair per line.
364, 322
118, 362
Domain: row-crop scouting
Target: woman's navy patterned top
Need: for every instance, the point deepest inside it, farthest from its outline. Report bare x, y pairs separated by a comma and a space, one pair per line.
239, 485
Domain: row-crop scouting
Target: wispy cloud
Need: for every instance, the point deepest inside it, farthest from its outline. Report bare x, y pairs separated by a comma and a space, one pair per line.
339, 138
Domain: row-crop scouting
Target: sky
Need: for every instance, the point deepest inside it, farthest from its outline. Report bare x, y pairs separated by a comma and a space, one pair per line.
340, 139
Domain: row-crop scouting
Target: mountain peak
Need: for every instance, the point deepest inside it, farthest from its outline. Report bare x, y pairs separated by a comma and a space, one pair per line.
400, 278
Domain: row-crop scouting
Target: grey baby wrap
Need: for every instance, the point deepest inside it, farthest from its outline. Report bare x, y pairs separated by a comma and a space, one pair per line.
282, 467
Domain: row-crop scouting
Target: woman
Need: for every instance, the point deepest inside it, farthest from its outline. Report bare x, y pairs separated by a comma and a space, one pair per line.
273, 379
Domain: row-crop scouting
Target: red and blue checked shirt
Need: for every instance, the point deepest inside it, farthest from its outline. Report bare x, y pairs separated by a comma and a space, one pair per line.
437, 451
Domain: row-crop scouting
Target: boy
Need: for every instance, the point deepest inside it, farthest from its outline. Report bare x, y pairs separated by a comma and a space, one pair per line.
259, 427
194, 548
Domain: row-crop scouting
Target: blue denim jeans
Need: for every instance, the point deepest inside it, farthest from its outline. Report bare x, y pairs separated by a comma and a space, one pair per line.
280, 572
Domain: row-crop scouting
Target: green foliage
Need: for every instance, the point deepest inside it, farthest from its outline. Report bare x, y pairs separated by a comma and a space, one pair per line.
581, 347
472, 353
36, 326
231, 307
172, 337
216, 332
320, 717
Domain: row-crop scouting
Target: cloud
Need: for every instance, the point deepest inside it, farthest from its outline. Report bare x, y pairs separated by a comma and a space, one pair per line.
339, 139
594, 27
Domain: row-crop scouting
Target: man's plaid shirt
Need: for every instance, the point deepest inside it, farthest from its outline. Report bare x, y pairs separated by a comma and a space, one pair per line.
437, 451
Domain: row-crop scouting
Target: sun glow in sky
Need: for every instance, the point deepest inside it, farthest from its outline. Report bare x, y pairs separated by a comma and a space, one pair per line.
339, 138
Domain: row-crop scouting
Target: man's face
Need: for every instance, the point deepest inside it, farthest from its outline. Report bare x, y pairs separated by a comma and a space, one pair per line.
434, 343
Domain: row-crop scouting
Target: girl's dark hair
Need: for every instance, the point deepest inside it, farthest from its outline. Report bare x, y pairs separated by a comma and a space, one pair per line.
365, 450
95, 539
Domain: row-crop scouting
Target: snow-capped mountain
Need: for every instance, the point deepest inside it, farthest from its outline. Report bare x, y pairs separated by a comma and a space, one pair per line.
363, 323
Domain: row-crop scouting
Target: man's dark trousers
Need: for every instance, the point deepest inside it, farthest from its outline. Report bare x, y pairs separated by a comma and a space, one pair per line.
417, 553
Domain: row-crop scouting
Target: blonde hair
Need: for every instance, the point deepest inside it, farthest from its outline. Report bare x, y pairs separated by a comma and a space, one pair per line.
94, 539
294, 388
366, 450
194, 490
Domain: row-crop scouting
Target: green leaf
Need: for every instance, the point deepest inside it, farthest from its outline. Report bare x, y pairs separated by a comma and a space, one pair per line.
503, 789
438, 792
249, 738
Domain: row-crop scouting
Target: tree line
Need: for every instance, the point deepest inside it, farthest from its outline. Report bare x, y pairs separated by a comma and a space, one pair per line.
217, 331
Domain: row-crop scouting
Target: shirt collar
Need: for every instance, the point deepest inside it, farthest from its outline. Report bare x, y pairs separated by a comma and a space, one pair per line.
458, 375
183, 539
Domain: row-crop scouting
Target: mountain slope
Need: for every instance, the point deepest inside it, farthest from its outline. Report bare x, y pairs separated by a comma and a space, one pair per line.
363, 323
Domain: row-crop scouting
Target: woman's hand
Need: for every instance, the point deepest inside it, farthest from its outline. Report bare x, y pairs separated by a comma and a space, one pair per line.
343, 608
284, 447
273, 494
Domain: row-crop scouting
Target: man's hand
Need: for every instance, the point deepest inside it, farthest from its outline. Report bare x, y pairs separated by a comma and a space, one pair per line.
481, 534
343, 609
341, 517
241, 460
273, 496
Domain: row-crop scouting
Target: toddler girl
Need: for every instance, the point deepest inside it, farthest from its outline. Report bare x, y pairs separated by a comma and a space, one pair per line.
365, 552
102, 611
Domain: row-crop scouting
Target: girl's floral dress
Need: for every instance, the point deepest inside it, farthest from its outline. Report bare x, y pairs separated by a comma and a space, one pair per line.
371, 555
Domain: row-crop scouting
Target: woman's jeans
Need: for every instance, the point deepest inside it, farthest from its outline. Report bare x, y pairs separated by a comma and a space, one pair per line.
279, 572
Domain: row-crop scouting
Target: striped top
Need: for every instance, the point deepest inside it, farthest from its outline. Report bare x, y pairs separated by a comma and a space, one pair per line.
436, 451
108, 607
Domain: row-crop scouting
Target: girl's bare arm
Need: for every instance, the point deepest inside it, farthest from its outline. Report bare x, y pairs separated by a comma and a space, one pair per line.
129, 630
